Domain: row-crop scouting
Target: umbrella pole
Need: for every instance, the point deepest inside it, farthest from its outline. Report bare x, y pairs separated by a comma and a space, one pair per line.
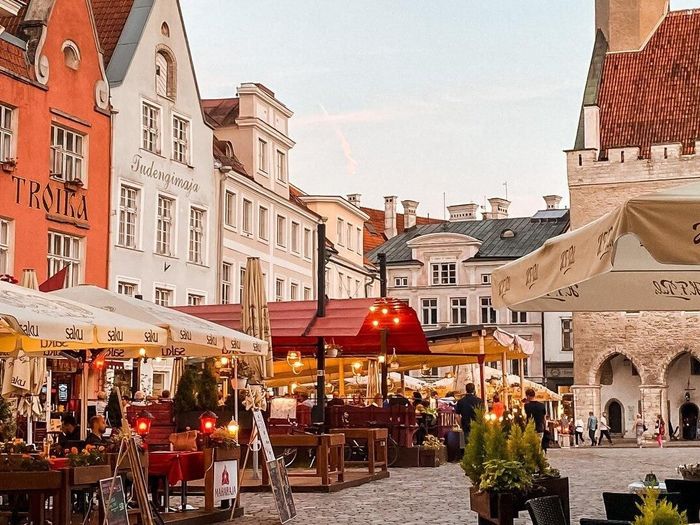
341, 377
504, 365
320, 381
482, 370
235, 390
385, 366
521, 371
84, 401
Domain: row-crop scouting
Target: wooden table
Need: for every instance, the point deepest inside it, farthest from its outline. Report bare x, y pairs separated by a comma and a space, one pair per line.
330, 458
376, 439
38, 486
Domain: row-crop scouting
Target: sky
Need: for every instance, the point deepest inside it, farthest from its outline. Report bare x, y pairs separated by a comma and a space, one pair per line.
449, 101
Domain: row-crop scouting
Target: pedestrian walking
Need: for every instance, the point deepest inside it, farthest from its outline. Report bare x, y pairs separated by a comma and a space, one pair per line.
578, 431
639, 429
592, 426
660, 430
536, 411
604, 430
467, 407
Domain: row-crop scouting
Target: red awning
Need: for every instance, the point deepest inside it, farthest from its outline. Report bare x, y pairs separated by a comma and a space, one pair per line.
353, 324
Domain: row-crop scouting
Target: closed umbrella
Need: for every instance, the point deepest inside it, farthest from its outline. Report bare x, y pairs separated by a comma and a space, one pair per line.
255, 317
176, 374
372, 379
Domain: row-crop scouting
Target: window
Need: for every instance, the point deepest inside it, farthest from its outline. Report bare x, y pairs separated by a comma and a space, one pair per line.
307, 293
295, 237
241, 284
197, 228
128, 215
279, 290
339, 227
694, 366
349, 284
293, 291
444, 273
485, 278
4, 246
307, 243
158, 383
281, 231
567, 335
357, 288
165, 74
349, 236
359, 240
263, 228
6, 144
518, 317
281, 167
127, 288
226, 283
488, 314
164, 225
230, 209
150, 128
429, 311
71, 54
194, 299
459, 310
64, 252
340, 284
400, 282
181, 140
163, 296
247, 217
262, 155
165, 29
66, 154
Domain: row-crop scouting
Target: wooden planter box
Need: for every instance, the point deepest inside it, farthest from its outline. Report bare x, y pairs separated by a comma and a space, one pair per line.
89, 475
226, 454
431, 457
44, 480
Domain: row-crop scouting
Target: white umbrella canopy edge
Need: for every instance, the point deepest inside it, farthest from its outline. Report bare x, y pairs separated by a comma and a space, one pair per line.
182, 330
641, 256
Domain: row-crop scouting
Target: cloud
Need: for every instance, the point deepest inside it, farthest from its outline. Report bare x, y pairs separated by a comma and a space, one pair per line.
349, 117
344, 144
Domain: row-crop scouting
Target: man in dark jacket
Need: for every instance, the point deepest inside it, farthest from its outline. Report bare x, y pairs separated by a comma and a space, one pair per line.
467, 407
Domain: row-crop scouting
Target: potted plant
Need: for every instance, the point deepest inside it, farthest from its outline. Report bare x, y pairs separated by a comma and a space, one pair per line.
30, 472
88, 466
73, 184
224, 443
8, 165
433, 452
507, 466
658, 512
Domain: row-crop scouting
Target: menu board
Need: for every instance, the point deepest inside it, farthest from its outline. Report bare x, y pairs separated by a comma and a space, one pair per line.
281, 490
264, 436
113, 501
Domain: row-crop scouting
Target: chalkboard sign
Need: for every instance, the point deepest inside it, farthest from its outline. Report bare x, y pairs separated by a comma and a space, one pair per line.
281, 490
113, 501
264, 436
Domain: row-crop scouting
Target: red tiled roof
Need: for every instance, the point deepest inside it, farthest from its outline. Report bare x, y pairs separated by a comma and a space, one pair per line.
373, 234
110, 18
652, 96
221, 112
11, 23
13, 59
219, 147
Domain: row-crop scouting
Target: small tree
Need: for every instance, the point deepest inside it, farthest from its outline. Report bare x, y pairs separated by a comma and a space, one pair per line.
113, 411
533, 455
208, 394
659, 512
8, 423
184, 399
475, 449
495, 441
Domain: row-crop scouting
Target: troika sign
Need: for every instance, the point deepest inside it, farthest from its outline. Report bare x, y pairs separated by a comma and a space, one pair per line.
52, 197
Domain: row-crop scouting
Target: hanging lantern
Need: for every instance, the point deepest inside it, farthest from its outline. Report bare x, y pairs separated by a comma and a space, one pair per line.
297, 367
232, 428
293, 357
143, 423
207, 422
394, 363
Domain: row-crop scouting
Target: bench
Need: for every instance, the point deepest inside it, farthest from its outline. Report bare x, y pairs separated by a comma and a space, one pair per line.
376, 440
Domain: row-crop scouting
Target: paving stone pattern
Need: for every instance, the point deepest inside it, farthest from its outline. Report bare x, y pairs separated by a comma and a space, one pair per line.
439, 496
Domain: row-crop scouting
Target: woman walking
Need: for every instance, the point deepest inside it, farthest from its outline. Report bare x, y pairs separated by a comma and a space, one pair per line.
578, 431
660, 430
639, 429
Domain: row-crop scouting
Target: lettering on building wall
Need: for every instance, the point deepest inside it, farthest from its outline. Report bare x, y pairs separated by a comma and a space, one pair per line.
51, 198
138, 165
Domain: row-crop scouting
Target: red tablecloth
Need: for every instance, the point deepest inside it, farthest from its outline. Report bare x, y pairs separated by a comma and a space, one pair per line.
176, 466
57, 463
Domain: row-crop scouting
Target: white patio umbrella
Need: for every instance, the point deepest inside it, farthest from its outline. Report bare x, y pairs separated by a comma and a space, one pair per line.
255, 317
182, 335
411, 382
644, 255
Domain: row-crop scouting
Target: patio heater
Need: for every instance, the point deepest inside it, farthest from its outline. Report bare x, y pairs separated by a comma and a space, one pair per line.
319, 413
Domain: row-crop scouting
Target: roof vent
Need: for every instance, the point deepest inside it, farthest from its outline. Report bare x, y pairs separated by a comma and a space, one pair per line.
507, 234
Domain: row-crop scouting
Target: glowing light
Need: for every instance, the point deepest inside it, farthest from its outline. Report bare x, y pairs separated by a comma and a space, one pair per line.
381, 359
232, 428
396, 320
385, 311
357, 365
297, 364
372, 308
224, 361
375, 323
293, 387
142, 352
159, 359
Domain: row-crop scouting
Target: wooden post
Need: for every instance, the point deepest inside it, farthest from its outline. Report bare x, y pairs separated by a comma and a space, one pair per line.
504, 366
341, 377
521, 371
482, 371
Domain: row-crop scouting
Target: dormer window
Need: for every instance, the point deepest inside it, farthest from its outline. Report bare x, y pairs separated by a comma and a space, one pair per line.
165, 29
71, 54
507, 234
228, 149
165, 74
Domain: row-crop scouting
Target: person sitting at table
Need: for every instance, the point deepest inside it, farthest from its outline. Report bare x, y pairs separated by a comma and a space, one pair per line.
335, 400
165, 397
70, 433
378, 401
101, 403
97, 430
139, 398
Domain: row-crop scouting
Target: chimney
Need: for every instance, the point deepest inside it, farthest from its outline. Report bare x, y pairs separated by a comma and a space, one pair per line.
354, 199
628, 24
390, 216
552, 201
499, 208
409, 213
463, 212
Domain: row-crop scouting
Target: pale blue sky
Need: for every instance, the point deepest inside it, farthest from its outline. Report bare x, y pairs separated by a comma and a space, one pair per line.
411, 98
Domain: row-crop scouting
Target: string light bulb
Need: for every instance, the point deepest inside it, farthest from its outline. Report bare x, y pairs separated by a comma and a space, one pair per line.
381, 359
385, 310
142, 352
375, 323
224, 361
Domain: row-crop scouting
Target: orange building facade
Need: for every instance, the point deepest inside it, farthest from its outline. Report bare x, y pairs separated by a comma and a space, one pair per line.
55, 142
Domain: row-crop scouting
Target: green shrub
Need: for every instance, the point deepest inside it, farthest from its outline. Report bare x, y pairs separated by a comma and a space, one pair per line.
8, 423
184, 399
208, 391
659, 512
475, 449
503, 475
113, 410
533, 456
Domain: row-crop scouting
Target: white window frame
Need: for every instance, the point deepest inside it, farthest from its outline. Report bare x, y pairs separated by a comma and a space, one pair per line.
281, 231
567, 327
293, 291
57, 261
518, 317
487, 313
181, 143
160, 290
165, 238
151, 126
196, 297
262, 155
226, 282
485, 278
401, 281
247, 217
295, 236
340, 225
348, 235
459, 311
279, 289
429, 311
7, 132
6, 242
360, 241
341, 279
308, 296
264, 224
197, 235
129, 215
281, 166
241, 282
124, 283
230, 209
443, 274
308, 243
65, 158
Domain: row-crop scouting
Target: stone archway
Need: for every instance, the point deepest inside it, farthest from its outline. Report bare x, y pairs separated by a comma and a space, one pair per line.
597, 365
620, 396
681, 375
616, 416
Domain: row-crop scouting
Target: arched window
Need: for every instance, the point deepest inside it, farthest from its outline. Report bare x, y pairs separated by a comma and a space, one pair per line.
71, 54
228, 149
165, 29
165, 74
507, 234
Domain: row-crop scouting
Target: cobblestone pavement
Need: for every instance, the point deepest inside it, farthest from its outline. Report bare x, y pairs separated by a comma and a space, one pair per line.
439, 496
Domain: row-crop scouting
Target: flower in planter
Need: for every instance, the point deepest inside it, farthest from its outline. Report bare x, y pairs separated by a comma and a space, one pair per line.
432, 443
222, 438
90, 456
